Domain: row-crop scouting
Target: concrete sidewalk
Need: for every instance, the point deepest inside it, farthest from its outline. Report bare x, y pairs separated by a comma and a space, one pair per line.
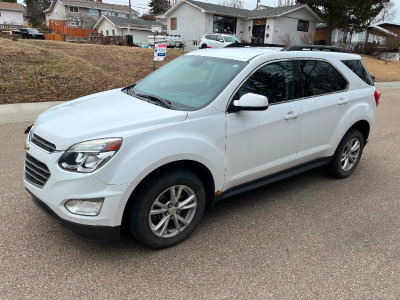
20, 112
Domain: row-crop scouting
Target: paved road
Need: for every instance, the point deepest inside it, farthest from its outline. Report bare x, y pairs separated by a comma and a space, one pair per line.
308, 236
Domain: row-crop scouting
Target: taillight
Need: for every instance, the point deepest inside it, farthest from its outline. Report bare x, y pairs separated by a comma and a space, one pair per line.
377, 96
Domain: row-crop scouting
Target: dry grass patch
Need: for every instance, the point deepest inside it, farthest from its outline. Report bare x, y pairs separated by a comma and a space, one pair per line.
383, 69
35, 71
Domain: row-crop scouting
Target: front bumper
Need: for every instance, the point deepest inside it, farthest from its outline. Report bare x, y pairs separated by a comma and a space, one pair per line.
95, 232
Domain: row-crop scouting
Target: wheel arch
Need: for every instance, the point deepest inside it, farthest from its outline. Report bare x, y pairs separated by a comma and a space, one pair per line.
197, 168
364, 128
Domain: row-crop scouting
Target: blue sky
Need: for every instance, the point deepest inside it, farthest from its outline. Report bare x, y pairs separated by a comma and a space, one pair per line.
141, 5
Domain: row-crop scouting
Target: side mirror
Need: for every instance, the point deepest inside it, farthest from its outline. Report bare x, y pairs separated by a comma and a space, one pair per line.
251, 101
221, 40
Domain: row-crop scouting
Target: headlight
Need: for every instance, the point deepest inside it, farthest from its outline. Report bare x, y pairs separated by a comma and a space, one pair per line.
88, 156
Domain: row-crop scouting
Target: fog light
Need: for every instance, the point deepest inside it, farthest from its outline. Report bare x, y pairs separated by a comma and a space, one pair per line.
85, 207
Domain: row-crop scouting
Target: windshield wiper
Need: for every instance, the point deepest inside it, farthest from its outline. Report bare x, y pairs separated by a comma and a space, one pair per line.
156, 100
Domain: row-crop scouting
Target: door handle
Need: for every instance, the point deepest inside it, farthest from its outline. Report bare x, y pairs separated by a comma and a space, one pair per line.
292, 116
342, 101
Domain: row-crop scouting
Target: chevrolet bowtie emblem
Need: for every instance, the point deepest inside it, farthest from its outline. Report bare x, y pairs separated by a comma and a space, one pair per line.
26, 147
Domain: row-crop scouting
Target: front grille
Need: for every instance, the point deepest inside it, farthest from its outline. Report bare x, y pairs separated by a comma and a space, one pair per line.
36, 172
42, 143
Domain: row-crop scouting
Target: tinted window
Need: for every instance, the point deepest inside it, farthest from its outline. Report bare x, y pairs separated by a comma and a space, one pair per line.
275, 81
319, 77
358, 67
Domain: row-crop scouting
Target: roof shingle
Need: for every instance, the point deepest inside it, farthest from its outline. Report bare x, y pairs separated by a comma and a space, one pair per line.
241, 12
99, 5
12, 6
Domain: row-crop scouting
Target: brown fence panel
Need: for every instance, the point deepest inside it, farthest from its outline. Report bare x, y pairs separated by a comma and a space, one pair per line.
54, 37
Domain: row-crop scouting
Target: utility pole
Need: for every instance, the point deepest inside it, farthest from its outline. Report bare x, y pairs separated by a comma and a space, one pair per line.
129, 20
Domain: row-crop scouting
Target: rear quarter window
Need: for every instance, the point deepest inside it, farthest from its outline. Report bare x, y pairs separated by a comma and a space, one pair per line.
359, 69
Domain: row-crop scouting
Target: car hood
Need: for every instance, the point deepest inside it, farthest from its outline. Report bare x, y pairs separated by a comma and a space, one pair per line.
106, 114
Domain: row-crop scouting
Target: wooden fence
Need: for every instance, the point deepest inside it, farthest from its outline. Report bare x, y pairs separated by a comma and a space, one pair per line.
54, 37
59, 27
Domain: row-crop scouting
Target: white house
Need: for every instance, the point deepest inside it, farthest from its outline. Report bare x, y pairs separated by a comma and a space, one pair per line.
85, 13
138, 28
266, 25
11, 15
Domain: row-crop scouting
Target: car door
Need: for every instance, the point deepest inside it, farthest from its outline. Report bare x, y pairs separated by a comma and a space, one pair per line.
324, 90
260, 143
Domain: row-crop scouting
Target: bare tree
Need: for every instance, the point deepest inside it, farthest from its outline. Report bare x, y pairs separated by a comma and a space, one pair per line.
80, 19
285, 2
388, 13
232, 3
287, 39
307, 39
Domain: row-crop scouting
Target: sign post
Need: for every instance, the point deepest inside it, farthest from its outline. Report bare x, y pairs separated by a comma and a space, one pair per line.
160, 52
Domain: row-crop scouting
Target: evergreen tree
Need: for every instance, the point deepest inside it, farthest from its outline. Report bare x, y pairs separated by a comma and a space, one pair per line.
35, 11
347, 15
158, 7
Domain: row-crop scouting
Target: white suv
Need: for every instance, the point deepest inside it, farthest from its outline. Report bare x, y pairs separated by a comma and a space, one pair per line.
210, 124
217, 40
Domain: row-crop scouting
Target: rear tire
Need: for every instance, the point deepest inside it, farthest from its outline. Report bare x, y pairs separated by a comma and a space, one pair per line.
347, 155
167, 209
204, 46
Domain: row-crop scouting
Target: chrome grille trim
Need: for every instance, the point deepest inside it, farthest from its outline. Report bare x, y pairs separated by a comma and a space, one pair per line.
36, 172
42, 143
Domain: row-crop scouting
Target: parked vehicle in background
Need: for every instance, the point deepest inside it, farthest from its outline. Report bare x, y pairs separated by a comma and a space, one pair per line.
217, 40
209, 125
29, 33
172, 41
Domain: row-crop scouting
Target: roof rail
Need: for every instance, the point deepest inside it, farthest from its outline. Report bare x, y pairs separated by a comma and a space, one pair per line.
250, 45
314, 48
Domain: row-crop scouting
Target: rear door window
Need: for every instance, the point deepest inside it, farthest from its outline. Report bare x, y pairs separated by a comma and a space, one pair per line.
319, 78
359, 69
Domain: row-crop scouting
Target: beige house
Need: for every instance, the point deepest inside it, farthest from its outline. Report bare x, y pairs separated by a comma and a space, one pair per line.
85, 13
263, 25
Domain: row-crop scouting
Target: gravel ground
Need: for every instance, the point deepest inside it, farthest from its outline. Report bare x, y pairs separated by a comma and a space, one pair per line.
306, 237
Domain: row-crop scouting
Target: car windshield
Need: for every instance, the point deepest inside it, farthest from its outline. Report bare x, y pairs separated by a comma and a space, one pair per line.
190, 82
230, 39
32, 30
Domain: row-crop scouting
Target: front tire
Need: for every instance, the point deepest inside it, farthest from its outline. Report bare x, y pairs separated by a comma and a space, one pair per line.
167, 209
347, 155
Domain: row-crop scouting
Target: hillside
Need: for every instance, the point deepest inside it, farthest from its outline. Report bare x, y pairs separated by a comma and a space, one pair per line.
35, 71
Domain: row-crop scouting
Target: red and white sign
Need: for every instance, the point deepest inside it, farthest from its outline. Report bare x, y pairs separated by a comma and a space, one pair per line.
160, 51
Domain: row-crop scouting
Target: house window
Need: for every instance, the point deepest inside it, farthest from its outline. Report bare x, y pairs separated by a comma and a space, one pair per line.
174, 25
73, 23
224, 24
93, 12
108, 13
107, 32
303, 26
120, 14
73, 9
113, 32
102, 32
